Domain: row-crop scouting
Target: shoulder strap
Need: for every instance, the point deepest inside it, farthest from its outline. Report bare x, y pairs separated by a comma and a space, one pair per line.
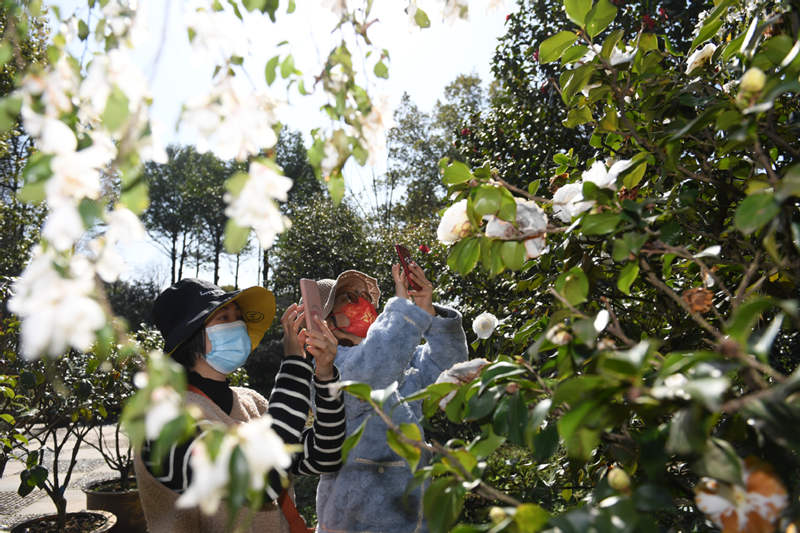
196, 390
296, 522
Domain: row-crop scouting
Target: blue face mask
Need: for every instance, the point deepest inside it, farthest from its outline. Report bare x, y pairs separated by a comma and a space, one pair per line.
230, 346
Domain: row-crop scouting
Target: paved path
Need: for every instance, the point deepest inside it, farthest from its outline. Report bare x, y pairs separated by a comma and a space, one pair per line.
90, 466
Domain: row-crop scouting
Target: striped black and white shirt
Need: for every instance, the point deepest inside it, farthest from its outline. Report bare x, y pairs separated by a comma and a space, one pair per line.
289, 405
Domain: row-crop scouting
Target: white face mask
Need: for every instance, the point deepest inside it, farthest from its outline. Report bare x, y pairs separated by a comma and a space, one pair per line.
230, 346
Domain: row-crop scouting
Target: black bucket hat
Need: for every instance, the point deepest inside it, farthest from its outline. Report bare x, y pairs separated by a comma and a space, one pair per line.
182, 309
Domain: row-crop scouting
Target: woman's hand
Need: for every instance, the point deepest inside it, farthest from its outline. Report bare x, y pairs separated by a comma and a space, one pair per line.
292, 322
400, 284
423, 297
322, 345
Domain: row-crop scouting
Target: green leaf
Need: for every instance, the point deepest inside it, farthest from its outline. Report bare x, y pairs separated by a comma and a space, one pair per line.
573, 53
577, 10
336, 187
269, 69
635, 176
421, 18
754, 212
530, 518
239, 483
513, 254
573, 285
572, 81
362, 391
456, 173
740, 327
789, 185
611, 42
136, 197
706, 32
464, 255
627, 276
600, 223
484, 446
235, 237
442, 504
381, 70
116, 111
551, 49
287, 66
408, 452
486, 200
351, 441
9, 111
601, 15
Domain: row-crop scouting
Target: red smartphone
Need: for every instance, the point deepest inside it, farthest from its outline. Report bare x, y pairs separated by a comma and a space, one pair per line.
405, 257
311, 302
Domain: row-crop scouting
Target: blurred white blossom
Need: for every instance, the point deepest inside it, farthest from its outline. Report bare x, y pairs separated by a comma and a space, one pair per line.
263, 449
107, 71
164, 406
56, 306
255, 205
123, 226
459, 373
753, 80
216, 35
484, 325
601, 320
63, 226
233, 121
455, 224
558, 335
374, 127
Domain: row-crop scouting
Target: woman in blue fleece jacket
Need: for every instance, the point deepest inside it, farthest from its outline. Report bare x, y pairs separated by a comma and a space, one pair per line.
368, 493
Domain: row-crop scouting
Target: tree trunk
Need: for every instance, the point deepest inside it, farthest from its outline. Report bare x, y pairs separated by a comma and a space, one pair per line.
183, 257
266, 268
236, 274
173, 255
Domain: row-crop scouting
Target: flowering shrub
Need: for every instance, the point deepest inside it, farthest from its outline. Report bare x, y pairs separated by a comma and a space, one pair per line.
662, 350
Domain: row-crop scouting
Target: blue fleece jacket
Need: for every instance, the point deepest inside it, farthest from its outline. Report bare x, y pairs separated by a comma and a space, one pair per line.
367, 494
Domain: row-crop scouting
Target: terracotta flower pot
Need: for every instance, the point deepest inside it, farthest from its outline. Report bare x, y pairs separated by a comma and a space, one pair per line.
47, 523
125, 505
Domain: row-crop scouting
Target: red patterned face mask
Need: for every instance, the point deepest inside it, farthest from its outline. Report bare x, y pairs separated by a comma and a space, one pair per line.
361, 315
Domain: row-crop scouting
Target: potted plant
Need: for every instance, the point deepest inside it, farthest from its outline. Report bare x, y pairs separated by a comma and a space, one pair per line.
62, 406
119, 494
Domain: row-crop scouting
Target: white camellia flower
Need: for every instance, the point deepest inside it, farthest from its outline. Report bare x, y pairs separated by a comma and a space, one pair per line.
455, 224
601, 320
165, 406
536, 246
337, 7
568, 202
233, 121
454, 10
753, 80
484, 325
255, 205
531, 221
460, 373
603, 177
57, 310
55, 88
374, 127
699, 57
619, 57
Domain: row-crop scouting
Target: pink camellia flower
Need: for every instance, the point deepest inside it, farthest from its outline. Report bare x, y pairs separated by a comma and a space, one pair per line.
750, 508
424, 249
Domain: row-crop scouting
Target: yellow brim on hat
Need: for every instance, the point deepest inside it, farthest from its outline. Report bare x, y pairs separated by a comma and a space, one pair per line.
257, 305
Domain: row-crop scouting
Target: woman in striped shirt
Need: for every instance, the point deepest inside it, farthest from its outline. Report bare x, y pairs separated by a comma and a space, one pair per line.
211, 333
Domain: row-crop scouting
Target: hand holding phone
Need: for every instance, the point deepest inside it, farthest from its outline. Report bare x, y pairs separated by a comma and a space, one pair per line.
405, 257
311, 303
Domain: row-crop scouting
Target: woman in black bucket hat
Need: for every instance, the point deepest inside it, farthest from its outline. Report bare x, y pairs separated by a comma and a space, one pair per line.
211, 333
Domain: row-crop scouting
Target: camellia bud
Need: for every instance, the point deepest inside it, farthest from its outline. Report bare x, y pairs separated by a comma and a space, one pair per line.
753, 80
618, 479
497, 514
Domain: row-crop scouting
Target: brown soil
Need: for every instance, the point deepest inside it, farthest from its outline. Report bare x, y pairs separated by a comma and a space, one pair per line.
76, 523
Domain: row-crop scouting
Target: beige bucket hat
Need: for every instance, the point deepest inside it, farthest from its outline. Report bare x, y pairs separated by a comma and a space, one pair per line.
327, 289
